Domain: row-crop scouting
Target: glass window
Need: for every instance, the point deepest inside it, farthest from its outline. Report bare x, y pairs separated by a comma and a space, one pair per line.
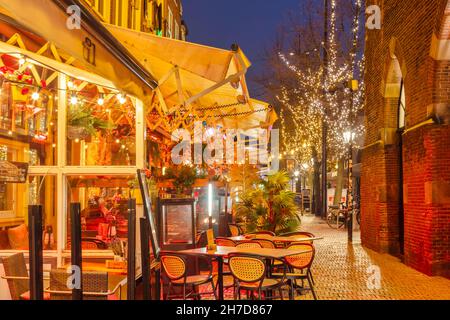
28, 121
101, 129
169, 23
402, 107
177, 31
14, 201
104, 208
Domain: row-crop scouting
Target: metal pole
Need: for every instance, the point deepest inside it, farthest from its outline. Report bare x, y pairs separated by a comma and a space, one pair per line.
76, 253
324, 126
131, 257
349, 196
145, 257
36, 258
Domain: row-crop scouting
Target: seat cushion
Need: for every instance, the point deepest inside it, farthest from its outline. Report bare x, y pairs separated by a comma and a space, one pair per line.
4, 240
267, 283
18, 237
27, 295
197, 279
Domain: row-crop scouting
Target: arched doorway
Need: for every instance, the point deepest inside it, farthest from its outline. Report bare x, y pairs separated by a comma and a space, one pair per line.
395, 122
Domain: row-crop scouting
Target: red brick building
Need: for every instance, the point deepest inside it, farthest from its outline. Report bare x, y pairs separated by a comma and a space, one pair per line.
405, 182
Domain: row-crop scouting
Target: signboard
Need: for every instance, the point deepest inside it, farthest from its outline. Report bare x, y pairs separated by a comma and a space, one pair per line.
13, 172
148, 212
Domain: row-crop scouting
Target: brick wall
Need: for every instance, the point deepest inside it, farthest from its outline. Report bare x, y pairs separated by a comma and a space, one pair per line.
407, 34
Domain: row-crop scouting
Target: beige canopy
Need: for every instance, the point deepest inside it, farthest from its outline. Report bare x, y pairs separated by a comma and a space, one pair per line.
196, 82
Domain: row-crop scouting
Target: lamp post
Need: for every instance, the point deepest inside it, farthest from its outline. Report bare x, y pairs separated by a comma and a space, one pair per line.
348, 139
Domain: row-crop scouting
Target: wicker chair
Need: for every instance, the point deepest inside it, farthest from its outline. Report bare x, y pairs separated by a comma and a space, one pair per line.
225, 242
249, 245
249, 272
235, 230
299, 265
265, 243
175, 269
16, 274
95, 286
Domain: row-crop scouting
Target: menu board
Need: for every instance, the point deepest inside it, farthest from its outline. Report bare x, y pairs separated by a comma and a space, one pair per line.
148, 212
177, 220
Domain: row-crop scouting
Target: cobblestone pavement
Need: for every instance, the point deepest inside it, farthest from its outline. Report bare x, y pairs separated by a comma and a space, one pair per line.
343, 271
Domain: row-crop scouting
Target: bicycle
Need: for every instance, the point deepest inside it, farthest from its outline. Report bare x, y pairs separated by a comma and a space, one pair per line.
337, 216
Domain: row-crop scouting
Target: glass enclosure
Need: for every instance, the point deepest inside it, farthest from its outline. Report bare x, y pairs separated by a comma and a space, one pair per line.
79, 141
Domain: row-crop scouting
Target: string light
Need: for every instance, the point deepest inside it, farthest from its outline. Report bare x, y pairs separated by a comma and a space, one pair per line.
73, 99
35, 96
320, 94
101, 100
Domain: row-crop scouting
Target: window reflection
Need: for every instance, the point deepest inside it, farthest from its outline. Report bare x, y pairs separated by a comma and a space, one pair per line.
101, 128
104, 208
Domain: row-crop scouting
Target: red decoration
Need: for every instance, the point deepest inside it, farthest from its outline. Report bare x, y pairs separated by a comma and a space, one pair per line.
25, 91
43, 84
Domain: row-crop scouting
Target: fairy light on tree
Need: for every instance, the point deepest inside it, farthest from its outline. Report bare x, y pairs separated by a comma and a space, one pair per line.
308, 99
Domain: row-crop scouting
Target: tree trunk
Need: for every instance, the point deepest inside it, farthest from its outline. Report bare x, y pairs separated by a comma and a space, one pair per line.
339, 183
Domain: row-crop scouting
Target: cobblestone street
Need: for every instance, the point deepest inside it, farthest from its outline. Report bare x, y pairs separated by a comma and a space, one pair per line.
341, 270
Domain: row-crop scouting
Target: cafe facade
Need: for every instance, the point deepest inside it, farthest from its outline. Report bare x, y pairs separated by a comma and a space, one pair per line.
77, 122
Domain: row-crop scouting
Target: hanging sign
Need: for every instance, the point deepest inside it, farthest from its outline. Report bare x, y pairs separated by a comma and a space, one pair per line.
13, 172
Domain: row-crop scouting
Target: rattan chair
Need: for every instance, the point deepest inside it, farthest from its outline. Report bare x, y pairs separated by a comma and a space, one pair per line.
95, 286
225, 242
16, 275
235, 230
249, 272
175, 269
265, 243
249, 245
299, 267
302, 234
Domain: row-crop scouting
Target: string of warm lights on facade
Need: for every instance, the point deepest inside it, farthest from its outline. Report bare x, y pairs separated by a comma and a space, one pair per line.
304, 105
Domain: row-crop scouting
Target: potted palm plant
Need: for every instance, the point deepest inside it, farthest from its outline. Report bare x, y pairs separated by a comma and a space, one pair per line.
269, 205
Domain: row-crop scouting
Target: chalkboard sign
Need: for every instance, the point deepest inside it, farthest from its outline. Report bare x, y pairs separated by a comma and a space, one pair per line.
148, 212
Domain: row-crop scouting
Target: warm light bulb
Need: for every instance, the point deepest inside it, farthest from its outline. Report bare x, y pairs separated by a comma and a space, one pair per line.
21, 61
100, 101
74, 99
35, 96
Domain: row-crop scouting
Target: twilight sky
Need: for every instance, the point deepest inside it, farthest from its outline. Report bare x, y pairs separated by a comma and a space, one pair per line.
252, 24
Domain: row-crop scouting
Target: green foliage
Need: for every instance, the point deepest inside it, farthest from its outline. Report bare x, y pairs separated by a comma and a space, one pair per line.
84, 118
183, 176
269, 205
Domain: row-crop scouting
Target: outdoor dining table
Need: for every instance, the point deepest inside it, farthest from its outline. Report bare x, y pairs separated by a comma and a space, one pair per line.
273, 238
222, 252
